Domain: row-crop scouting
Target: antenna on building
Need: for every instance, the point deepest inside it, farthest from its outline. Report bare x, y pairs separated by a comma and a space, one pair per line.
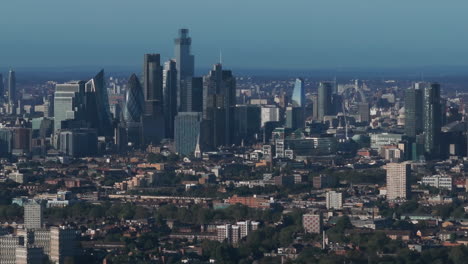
220, 57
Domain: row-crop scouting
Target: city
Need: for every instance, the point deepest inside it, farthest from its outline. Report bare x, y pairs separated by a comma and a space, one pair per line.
175, 164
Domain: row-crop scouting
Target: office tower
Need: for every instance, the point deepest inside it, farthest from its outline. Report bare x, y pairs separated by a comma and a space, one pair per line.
187, 132
185, 64
364, 112
247, 123
22, 137
12, 87
337, 104
29, 255
315, 107
334, 200
133, 111
6, 142
432, 120
153, 79
49, 106
97, 106
63, 244
298, 97
33, 218
414, 110
190, 98
170, 96
153, 119
324, 100
398, 186
2, 88
79, 142
219, 98
312, 223
294, 117
269, 113
68, 102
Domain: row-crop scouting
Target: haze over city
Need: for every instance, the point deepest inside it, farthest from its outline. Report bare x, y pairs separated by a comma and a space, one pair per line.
261, 34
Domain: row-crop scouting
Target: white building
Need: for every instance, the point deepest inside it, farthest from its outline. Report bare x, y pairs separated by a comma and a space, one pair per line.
33, 215
334, 200
437, 181
269, 113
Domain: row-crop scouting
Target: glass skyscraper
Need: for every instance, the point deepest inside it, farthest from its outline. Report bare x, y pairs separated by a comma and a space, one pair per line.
298, 96
12, 87
188, 128
134, 101
97, 105
432, 120
414, 110
169, 96
185, 64
68, 100
324, 99
219, 99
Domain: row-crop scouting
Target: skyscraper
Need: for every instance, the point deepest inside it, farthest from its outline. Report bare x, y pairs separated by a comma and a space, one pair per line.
68, 102
12, 87
364, 112
169, 96
187, 131
2, 87
133, 111
432, 120
219, 98
153, 119
298, 97
97, 107
324, 99
414, 110
134, 101
153, 84
398, 185
334, 200
185, 64
247, 123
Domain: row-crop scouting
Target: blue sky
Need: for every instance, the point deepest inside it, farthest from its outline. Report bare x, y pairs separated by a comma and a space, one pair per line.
286, 34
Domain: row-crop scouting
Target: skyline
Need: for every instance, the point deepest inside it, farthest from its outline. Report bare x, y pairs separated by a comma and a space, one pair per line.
360, 34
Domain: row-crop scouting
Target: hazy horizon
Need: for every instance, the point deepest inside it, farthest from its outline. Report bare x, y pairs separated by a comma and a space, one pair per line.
270, 35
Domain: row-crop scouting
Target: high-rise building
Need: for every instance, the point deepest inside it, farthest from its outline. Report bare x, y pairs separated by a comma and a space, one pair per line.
134, 109
364, 112
170, 96
298, 96
190, 98
153, 119
29, 255
33, 217
247, 123
432, 120
6, 142
312, 223
270, 113
8, 245
334, 200
68, 102
153, 80
12, 87
294, 117
2, 88
414, 110
219, 98
398, 180
97, 105
79, 142
63, 244
185, 64
324, 100
187, 132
